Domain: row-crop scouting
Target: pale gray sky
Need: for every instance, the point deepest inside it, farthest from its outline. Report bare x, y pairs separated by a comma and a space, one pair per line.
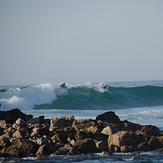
80, 41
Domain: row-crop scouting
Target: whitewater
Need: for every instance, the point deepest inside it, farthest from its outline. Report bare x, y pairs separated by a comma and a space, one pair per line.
138, 101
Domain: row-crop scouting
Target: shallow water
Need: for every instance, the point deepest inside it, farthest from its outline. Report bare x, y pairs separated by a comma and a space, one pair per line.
144, 157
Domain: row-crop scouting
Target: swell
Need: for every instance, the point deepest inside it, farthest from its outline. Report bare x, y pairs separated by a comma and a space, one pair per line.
112, 98
47, 96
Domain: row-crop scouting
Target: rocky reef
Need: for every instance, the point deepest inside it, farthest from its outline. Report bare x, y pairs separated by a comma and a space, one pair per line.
23, 135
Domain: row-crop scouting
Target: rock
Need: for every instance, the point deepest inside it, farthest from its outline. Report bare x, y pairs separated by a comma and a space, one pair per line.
4, 142
60, 137
61, 122
44, 150
110, 117
156, 142
8, 132
3, 124
21, 148
21, 122
143, 146
102, 146
121, 138
121, 126
41, 141
150, 130
36, 121
108, 130
17, 134
86, 125
66, 150
44, 129
127, 148
35, 133
12, 115
105, 153
80, 135
86, 146
99, 136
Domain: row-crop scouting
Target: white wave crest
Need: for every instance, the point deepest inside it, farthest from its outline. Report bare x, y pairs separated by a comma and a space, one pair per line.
30, 96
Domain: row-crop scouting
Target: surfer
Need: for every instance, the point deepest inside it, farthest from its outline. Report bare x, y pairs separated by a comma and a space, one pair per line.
104, 86
63, 85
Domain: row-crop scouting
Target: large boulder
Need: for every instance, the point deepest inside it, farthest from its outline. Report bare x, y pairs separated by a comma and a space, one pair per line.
44, 150
86, 146
12, 115
121, 126
110, 117
117, 142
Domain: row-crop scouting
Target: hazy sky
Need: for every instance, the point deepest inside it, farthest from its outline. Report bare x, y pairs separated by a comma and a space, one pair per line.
80, 41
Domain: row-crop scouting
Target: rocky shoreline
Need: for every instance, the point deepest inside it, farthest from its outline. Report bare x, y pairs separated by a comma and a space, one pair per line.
23, 135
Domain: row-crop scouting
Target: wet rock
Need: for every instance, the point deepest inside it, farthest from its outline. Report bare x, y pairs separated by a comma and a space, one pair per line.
156, 142
86, 146
66, 150
143, 146
44, 150
102, 146
110, 117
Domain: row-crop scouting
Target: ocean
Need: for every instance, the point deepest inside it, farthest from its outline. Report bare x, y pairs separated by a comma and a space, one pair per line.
138, 101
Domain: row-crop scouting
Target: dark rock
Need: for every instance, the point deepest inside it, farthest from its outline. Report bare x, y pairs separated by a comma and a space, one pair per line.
44, 129
12, 115
102, 146
66, 150
143, 146
60, 137
44, 150
110, 117
80, 135
156, 142
4, 142
150, 130
86, 146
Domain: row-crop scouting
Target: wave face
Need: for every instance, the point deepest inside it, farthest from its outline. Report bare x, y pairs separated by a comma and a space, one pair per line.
83, 96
